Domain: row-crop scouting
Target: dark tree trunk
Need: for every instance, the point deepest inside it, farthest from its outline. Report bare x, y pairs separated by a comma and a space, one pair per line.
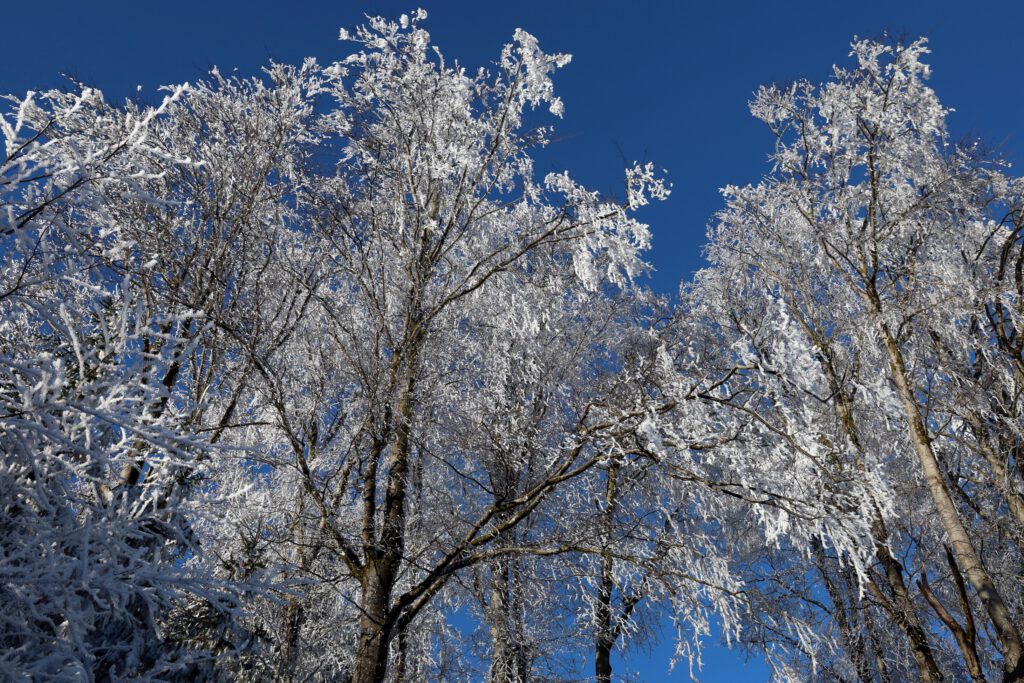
384, 558
606, 627
371, 661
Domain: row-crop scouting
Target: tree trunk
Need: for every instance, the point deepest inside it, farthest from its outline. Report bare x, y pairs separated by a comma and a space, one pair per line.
867, 623
507, 661
510, 663
384, 558
606, 630
603, 662
293, 618
904, 612
371, 660
853, 641
965, 638
902, 607
959, 541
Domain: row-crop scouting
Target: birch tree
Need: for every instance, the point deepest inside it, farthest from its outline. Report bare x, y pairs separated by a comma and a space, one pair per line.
874, 243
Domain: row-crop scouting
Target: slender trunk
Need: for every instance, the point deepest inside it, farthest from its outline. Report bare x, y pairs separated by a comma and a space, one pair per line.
605, 640
853, 642
606, 630
901, 606
293, 618
603, 662
294, 615
904, 612
959, 540
964, 640
507, 662
866, 623
402, 664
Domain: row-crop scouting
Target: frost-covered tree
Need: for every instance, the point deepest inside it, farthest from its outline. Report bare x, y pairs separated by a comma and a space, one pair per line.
441, 383
310, 376
857, 288
94, 523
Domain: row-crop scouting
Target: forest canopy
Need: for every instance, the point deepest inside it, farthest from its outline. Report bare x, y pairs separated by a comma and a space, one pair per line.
311, 376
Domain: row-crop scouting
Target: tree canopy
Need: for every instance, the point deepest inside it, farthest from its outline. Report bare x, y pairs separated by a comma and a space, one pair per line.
309, 376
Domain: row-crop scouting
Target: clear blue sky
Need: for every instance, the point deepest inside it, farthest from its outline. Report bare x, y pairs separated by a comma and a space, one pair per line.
661, 81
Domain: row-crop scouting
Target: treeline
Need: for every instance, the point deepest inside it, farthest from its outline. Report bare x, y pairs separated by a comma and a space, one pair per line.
308, 377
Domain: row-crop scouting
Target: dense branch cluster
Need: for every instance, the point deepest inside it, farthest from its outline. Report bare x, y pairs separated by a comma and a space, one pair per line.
308, 377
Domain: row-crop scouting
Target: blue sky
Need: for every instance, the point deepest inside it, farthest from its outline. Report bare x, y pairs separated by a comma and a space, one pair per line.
666, 82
